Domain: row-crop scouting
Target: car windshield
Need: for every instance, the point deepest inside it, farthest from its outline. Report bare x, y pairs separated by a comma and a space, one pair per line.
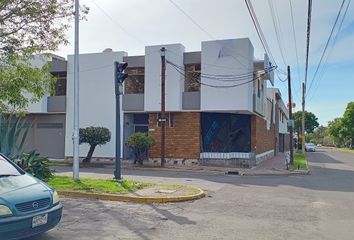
310, 144
7, 169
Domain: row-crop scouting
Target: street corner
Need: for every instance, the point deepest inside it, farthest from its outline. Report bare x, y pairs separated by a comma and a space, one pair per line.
155, 194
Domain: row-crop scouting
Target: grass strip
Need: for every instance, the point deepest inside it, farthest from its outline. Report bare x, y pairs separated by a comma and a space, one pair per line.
64, 183
300, 162
91, 185
345, 150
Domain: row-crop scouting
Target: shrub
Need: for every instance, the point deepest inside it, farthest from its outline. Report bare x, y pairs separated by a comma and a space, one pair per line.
13, 135
36, 165
140, 143
94, 136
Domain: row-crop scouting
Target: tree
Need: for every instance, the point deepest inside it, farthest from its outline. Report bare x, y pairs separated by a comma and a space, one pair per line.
348, 123
21, 84
311, 121
319, 134
28, 27
335, 129
140, 143
94, 136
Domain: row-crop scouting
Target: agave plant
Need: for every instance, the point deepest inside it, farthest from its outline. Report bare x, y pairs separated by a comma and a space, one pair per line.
36, 165
13, 135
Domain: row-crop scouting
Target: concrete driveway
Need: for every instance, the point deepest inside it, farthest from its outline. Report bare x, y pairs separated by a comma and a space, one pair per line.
318, 206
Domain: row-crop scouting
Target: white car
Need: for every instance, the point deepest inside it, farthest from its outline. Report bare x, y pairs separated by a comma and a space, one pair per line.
310, 147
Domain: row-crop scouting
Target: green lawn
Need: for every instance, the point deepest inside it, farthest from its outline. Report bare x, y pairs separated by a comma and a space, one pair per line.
300, 162
345, 150
63, 183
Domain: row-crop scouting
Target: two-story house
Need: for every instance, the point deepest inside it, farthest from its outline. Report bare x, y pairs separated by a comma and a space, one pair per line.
216, 101
218, 108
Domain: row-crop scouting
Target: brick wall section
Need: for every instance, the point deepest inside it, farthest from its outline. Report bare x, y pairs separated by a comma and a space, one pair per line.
262, 139
182, 140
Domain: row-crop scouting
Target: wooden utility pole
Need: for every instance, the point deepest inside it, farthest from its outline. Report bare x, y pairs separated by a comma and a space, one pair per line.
303, 119
290, 118
163, 113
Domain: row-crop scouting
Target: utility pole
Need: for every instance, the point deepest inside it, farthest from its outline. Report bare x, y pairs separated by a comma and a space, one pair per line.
303, 119
290, 118
163, 113
76, 96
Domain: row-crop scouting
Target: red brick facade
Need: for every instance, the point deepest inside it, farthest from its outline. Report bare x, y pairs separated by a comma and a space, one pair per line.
182, 140
262, 139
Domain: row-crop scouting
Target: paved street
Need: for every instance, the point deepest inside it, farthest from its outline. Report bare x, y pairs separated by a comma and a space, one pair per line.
318, 206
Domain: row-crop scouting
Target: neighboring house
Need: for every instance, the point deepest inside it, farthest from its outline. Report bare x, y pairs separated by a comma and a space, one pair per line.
96, 99
281, 120
47, 117
231, 126
209, 123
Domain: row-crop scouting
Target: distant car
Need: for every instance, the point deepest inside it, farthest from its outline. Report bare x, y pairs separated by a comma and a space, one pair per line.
310, 147
319, 145
28, 206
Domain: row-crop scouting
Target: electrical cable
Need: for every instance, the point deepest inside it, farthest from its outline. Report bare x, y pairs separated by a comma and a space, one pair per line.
224, 78
277, 29
295, 42
259, 30
323, 69
118, 24
182, 72
327, 43
191, 19
205, 31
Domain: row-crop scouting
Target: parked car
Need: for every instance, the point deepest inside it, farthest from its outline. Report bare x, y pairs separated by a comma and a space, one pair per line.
310, 147
28, 206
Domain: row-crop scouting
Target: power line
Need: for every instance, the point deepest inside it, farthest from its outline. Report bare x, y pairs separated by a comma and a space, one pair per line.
191, 19
223, 78
259, 30
276, 24
295, 42
327, 43
247, 80
217, 86
117, 23
321, 74
205, 31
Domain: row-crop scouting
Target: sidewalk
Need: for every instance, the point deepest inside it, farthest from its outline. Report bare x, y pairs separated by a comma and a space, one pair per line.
273, 166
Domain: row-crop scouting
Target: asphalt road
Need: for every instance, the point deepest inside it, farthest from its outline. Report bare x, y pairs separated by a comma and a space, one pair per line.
318, 206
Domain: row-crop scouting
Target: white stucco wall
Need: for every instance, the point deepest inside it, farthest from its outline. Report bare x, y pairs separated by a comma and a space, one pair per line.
97, 99
227, 57
174, 80
41, 106
283, 126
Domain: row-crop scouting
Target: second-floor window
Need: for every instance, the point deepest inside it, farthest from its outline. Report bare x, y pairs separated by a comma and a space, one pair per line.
135, 81
192, 78
60, 84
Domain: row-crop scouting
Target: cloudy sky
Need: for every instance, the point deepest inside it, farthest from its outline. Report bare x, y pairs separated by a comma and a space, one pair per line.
130, 25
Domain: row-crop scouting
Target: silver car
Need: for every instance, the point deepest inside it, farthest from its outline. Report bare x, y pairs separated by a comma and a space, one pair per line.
310, 147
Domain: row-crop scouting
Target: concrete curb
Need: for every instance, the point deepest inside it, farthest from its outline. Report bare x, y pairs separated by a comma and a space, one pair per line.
135, 199
171, 169
290, 173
